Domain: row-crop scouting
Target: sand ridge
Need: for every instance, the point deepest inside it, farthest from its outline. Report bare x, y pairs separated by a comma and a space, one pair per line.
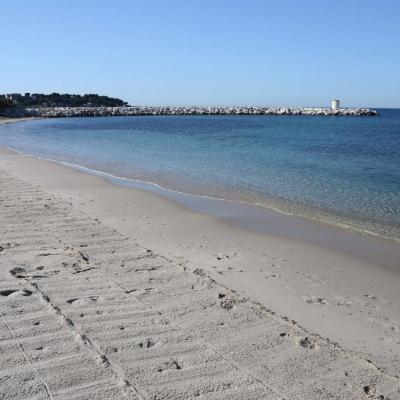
87, 313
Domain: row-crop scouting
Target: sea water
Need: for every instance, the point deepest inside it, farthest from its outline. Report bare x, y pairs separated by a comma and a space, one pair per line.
344, 170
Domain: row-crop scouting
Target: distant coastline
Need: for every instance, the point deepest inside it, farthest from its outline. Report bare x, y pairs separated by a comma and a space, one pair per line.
93, 105
58, 100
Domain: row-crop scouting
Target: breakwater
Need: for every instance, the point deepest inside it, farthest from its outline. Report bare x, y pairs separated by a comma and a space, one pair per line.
54, 112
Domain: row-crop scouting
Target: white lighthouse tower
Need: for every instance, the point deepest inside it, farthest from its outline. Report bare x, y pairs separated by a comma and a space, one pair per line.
335, 105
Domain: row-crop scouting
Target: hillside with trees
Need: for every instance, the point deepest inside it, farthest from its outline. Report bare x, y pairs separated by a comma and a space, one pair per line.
4, 103
59, 100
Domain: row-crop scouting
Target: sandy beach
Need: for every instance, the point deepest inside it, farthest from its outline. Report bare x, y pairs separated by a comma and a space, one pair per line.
6, 120
110, 292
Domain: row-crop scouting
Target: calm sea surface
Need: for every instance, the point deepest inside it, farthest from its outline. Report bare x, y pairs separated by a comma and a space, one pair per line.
345, 170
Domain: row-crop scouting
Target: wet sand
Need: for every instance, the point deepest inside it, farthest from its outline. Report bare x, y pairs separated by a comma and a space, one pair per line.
344, 239
6, 120
109, 291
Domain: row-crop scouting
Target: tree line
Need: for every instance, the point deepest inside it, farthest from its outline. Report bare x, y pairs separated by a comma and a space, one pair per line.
59, 100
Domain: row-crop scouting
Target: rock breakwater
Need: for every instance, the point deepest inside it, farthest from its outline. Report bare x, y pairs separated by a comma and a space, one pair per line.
54, 112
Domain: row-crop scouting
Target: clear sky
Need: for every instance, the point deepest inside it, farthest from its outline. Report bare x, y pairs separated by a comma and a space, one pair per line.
205, 52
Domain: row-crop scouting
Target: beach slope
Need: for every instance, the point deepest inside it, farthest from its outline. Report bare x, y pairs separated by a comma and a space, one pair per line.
88, 313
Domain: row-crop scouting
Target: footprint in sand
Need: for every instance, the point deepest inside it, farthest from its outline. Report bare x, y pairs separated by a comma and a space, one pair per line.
169, 365
18, 272
273, 276
372, 392
15, 292
8, 245
148, 343
221, 257
226, 302
7, 292
315, 300
308, 343
83, 300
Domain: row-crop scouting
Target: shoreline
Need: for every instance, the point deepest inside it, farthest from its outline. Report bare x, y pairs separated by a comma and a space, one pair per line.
351, 300
8, 120
259, 218
285, 221
310, 214
375, 230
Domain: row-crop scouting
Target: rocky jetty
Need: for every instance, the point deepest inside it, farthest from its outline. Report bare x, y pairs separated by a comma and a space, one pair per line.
54, 112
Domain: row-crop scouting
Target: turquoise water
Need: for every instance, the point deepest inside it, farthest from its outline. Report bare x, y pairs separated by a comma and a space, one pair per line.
340, 169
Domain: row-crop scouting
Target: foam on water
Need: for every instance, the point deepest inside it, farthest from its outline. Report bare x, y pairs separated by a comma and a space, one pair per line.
344, 170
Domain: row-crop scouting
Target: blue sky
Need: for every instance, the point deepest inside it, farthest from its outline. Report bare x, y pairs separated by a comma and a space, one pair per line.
205, 52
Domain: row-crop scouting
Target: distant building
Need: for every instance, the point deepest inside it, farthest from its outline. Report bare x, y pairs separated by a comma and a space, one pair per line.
335, 104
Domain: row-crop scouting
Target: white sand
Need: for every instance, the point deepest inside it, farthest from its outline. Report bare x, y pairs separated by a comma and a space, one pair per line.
6, 120
207, 312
